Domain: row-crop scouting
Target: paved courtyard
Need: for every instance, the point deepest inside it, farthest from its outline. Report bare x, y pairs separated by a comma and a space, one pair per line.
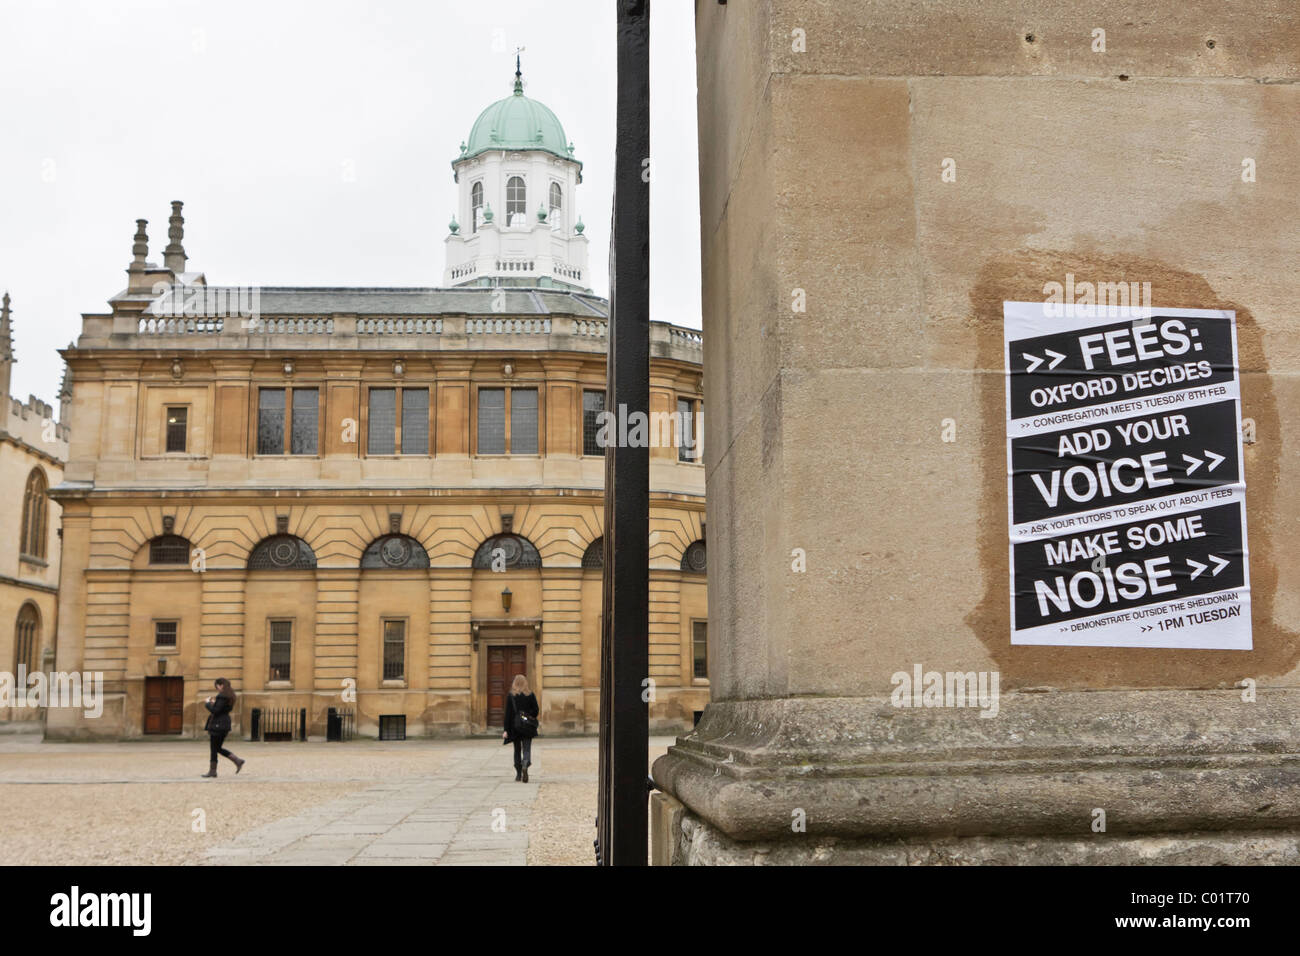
363, 803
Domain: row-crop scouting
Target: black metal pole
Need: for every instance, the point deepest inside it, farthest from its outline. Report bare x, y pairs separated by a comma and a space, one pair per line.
624, 714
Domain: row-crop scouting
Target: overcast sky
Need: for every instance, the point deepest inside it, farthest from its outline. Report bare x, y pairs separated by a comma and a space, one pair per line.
311, 142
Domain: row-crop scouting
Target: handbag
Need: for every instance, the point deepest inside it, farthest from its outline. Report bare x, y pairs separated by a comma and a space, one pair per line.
525, 726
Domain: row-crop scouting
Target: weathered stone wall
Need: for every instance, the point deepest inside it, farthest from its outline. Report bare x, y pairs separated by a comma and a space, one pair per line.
825, 130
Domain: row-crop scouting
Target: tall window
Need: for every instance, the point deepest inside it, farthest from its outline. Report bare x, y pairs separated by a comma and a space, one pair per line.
394, 650
523, 421
557, 203
177, 417
35, 516
491, 421
700, 648
382, 422
398, 418
26, 633
304, 426
593, 403
686, 450
475, 204
281, 649
508, 421
415, 421
297, 431
516, 199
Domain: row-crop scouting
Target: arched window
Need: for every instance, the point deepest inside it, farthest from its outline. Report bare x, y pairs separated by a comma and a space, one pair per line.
27, 633
475, 204
506, 551
694, 558
395, 551
557, 203
282, 552
169, 549
516, 199
594, 556
35, 516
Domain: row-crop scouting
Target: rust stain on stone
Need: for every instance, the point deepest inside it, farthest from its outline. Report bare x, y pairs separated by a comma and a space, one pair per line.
1020, 277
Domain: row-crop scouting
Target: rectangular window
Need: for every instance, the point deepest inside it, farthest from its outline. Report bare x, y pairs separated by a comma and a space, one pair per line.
593, 403
382, 425
177, 417
491, 421
686, 430
415, 421
281, 649
523, 421
287, 421
306, 422
700, 648
164, 633
394, 650
270, 421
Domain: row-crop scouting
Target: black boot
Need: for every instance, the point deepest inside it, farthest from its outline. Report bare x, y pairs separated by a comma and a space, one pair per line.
212, 770
525, 773
518, 772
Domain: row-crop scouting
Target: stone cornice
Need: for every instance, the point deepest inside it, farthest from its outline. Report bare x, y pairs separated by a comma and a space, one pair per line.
33, 585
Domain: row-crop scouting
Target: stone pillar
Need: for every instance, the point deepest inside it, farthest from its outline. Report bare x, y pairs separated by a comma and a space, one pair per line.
852, 299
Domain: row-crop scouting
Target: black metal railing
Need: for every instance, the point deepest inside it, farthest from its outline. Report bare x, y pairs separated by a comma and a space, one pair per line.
340, 724
278, 723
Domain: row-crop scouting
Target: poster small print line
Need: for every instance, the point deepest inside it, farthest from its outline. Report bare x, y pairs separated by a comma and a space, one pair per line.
1125, 486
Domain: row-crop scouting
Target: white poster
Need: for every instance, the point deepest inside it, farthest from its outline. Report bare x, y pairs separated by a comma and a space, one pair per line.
1126, 492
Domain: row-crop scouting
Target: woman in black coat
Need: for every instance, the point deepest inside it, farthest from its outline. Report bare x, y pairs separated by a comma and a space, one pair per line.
218, 725
521, 724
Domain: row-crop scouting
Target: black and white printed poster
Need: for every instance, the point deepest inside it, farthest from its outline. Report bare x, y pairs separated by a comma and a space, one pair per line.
1126, 492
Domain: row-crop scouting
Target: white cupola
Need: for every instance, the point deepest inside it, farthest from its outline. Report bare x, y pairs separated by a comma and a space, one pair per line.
517, 224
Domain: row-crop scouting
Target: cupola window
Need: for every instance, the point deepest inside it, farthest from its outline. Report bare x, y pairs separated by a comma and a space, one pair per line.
516, 200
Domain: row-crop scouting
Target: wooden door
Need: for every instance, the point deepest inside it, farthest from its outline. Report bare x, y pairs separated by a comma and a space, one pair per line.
164, 705
503, 663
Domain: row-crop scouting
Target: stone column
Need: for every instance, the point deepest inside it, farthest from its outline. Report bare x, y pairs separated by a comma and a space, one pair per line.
856, 463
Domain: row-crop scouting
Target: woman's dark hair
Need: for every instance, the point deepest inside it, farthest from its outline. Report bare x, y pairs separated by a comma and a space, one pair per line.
224, 689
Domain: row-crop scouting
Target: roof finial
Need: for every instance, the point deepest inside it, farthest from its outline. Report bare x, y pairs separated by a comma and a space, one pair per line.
519, 73
6, 338
174, 255
140, 247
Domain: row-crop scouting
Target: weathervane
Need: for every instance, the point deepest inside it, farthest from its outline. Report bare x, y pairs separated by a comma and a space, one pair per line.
519, 78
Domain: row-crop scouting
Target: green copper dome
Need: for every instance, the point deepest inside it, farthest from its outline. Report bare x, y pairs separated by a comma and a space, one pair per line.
518, 123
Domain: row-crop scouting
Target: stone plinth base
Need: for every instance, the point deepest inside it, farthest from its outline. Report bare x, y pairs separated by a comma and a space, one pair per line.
1055, 777
679, 838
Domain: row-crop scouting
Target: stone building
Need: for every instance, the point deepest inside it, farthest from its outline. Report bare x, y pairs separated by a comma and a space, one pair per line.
876, 181
33, 448
391, 493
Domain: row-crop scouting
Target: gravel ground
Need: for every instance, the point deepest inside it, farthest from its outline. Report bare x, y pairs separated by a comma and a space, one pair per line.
134, 803
563, 822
